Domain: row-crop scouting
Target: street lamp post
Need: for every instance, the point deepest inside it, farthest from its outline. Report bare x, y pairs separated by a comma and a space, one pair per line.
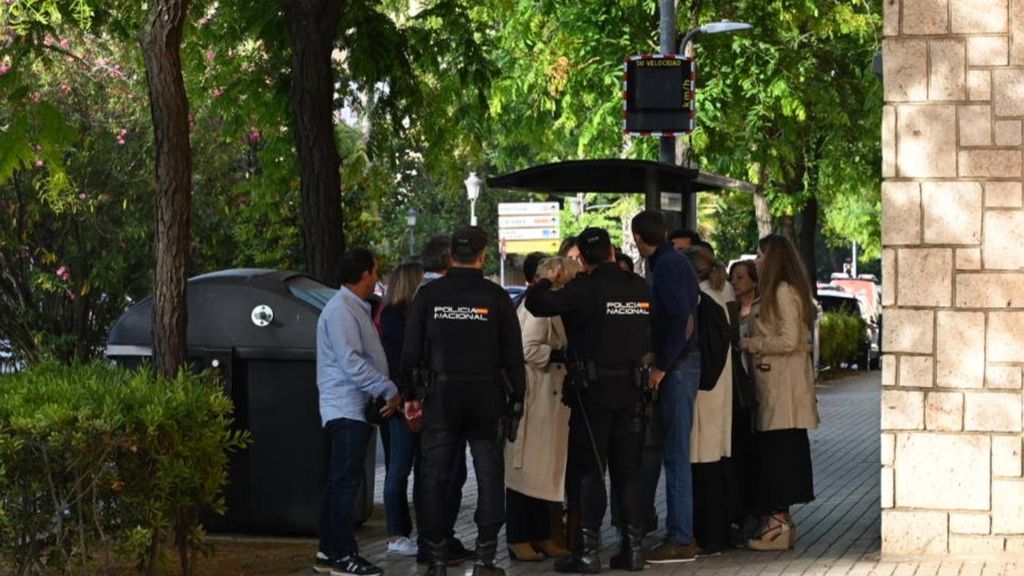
410, 220
473, 184
722, 27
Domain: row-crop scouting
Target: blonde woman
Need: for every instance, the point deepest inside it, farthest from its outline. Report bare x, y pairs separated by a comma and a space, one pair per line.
535, 463
784, 382
711, 436
400, 442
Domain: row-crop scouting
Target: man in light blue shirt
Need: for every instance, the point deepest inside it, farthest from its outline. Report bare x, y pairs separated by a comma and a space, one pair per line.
351, 371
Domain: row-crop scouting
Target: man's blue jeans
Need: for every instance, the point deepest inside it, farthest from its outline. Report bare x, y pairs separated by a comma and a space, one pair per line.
676, 396
403, 449
348, 440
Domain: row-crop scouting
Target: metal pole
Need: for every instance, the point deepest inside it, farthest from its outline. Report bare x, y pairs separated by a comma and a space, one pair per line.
853, 262
667, 45
472, 212
411, 249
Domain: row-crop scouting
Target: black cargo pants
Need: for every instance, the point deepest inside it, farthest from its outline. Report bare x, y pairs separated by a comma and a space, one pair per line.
454, 413
619, 445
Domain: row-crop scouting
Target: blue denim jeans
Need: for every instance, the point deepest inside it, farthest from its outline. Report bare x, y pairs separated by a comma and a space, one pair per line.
348, 440
403, 448
676, 396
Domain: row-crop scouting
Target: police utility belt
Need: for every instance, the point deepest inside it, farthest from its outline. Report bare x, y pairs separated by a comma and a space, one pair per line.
583, 373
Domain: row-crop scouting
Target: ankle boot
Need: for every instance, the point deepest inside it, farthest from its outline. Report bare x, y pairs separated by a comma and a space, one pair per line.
437, 552
484, 565
550, 549
585, 558
631, 552
558, 529
524, 552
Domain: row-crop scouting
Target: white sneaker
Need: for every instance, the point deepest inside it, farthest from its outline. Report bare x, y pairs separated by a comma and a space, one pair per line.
402, 547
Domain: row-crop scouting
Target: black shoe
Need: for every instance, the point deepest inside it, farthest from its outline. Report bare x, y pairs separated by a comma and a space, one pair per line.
484, 565
458, 552
631, 552
437, 570
322, 564
354, 565
480, 569
585, 559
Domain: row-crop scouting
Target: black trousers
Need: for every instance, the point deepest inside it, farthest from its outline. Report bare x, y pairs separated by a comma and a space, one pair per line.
785, 476
710, 514
453, 496
619, 444
528, 519
454, 413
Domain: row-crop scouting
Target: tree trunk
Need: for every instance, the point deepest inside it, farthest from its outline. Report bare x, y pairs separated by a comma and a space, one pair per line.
763, 213
808, 231
313, 26
160, 39
762, 210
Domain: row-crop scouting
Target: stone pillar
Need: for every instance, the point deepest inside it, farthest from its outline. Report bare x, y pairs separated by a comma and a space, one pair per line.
953, 260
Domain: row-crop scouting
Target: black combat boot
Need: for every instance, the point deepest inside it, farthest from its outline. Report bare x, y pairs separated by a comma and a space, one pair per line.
585, 558
437, 553
631, 552
484, 565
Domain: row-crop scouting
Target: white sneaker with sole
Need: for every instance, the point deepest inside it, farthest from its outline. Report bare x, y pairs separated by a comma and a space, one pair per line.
402, 547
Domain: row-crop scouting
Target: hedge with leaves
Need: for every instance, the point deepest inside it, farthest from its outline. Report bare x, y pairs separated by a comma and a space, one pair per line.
842, 338
100, 465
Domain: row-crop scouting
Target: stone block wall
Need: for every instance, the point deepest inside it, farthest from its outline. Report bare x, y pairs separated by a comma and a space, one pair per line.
952, 479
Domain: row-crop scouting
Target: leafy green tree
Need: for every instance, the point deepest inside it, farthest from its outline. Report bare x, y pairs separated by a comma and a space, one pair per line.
792, 107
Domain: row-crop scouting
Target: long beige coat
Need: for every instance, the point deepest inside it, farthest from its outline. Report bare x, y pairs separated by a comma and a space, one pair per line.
535, 462
711, 435
783, 375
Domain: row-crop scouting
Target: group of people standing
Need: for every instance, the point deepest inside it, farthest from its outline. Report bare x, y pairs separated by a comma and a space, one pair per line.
594, 369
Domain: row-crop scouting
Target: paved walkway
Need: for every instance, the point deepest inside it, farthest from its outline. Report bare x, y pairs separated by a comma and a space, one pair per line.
839, 533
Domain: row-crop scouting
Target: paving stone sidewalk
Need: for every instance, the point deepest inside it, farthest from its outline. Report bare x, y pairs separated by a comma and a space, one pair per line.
838, 533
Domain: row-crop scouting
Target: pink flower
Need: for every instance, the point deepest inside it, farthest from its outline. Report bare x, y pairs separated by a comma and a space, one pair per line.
210, 55
122, 136
217, 92
254, 136
37, 96
4, 68
63, 273
64, 88
82, 196
39, 163
64, 43
47, 40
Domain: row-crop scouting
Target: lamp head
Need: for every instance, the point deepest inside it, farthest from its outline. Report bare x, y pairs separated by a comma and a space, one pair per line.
724, 26
410, 217
473, 184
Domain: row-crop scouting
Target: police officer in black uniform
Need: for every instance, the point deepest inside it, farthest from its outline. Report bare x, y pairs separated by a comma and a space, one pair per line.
463, 349
607, 319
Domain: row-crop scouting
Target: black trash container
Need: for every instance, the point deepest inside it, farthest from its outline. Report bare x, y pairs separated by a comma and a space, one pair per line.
257, 328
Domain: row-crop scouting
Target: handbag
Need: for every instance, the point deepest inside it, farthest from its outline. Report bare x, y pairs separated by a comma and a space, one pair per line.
743, 395
372, 413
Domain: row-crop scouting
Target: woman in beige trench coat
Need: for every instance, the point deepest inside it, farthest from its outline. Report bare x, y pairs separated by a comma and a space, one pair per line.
784, 383
535, 463
711, 436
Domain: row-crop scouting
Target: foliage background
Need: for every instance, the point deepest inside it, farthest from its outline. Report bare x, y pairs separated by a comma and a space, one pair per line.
426, 92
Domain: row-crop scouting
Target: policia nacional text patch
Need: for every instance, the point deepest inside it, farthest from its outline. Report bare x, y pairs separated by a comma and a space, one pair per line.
470, 313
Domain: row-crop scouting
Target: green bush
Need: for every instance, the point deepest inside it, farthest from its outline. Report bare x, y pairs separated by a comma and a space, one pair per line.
100, 464
841, 338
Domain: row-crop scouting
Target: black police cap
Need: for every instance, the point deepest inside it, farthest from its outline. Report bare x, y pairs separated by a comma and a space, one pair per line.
469, 240
593, 237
